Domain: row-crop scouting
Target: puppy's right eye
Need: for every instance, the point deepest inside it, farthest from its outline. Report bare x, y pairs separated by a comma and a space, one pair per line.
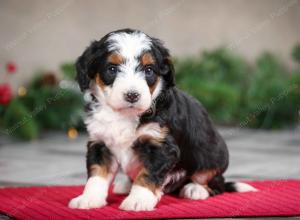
112, 69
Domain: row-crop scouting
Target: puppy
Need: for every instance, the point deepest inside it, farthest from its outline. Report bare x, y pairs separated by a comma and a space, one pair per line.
140, 124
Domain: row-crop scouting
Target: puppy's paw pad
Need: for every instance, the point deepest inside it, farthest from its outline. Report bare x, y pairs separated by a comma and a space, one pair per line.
87, 202
194, 191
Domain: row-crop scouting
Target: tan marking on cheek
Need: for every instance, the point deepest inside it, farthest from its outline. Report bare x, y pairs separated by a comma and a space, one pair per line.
205, 176
97, 170
141, 180
99, 82
153, 87
147, 59
116, 59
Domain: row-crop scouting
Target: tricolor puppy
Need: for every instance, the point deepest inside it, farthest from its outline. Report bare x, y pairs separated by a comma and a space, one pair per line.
140, 124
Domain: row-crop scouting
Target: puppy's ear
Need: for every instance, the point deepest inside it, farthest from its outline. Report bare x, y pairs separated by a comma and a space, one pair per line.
166, 65
86, 65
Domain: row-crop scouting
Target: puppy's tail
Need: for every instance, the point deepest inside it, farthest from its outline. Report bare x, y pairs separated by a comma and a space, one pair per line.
239, 187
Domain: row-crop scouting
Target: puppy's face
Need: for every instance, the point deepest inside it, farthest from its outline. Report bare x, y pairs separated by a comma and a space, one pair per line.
129, 78
127, 70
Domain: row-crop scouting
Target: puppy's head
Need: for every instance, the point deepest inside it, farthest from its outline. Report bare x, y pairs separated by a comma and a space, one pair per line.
126, 69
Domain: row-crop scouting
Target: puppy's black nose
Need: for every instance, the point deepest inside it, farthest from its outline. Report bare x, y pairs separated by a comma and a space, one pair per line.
132, 96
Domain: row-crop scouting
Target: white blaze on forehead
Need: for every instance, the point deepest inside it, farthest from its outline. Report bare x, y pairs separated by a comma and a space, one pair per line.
130, 78
129, 45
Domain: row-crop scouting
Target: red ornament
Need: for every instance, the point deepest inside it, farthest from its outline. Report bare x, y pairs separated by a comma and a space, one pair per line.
5, 94
11, 67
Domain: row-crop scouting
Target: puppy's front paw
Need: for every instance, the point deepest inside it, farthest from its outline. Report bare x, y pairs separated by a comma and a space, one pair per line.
87, 202
93, 196
139, 199
194, 191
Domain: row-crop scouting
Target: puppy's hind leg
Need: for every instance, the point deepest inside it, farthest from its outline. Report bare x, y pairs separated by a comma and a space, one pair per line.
198, 188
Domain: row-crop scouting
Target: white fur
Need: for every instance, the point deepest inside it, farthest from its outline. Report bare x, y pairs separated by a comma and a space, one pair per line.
117, 132
140, 199
129, 80
194, 191
244, 187
129, 45
111, 127
94, 194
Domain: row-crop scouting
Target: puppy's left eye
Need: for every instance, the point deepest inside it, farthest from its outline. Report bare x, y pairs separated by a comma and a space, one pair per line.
150, 75
149, 71
112, 69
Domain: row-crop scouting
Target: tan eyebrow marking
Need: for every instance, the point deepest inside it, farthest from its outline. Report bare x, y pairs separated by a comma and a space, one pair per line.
116, 58
147, 59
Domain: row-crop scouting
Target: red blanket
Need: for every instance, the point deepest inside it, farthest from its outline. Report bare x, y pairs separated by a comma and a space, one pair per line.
275, 198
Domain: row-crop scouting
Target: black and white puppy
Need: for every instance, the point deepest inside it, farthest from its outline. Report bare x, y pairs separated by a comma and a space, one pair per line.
140, 124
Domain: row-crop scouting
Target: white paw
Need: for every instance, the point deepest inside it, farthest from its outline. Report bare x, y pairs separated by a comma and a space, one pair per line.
87, 202
139, 199
194, 191
93, 196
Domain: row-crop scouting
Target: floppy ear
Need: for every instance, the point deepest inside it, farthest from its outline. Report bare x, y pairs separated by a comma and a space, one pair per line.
85, 65
166, 64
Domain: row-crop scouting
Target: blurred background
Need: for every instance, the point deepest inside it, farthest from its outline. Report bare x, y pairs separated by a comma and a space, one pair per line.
240, 58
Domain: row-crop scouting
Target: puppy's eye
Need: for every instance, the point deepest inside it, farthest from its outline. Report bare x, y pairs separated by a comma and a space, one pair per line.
149, 71
150, 75
112, 69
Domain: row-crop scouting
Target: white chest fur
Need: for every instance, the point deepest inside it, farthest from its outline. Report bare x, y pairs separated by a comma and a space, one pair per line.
118, 132
114, 129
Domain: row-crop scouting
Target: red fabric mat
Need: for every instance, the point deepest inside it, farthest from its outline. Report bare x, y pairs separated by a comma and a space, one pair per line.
275, 198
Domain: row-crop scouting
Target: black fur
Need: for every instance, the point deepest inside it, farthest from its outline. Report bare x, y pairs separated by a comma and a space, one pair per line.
162, 56
97, 154
201, 146
87, 65
157, 159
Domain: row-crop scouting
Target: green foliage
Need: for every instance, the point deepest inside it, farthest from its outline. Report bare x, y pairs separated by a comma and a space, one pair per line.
19, 122
45, 106
54, 107
296, 53
68, 70
216, 78
266, 96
